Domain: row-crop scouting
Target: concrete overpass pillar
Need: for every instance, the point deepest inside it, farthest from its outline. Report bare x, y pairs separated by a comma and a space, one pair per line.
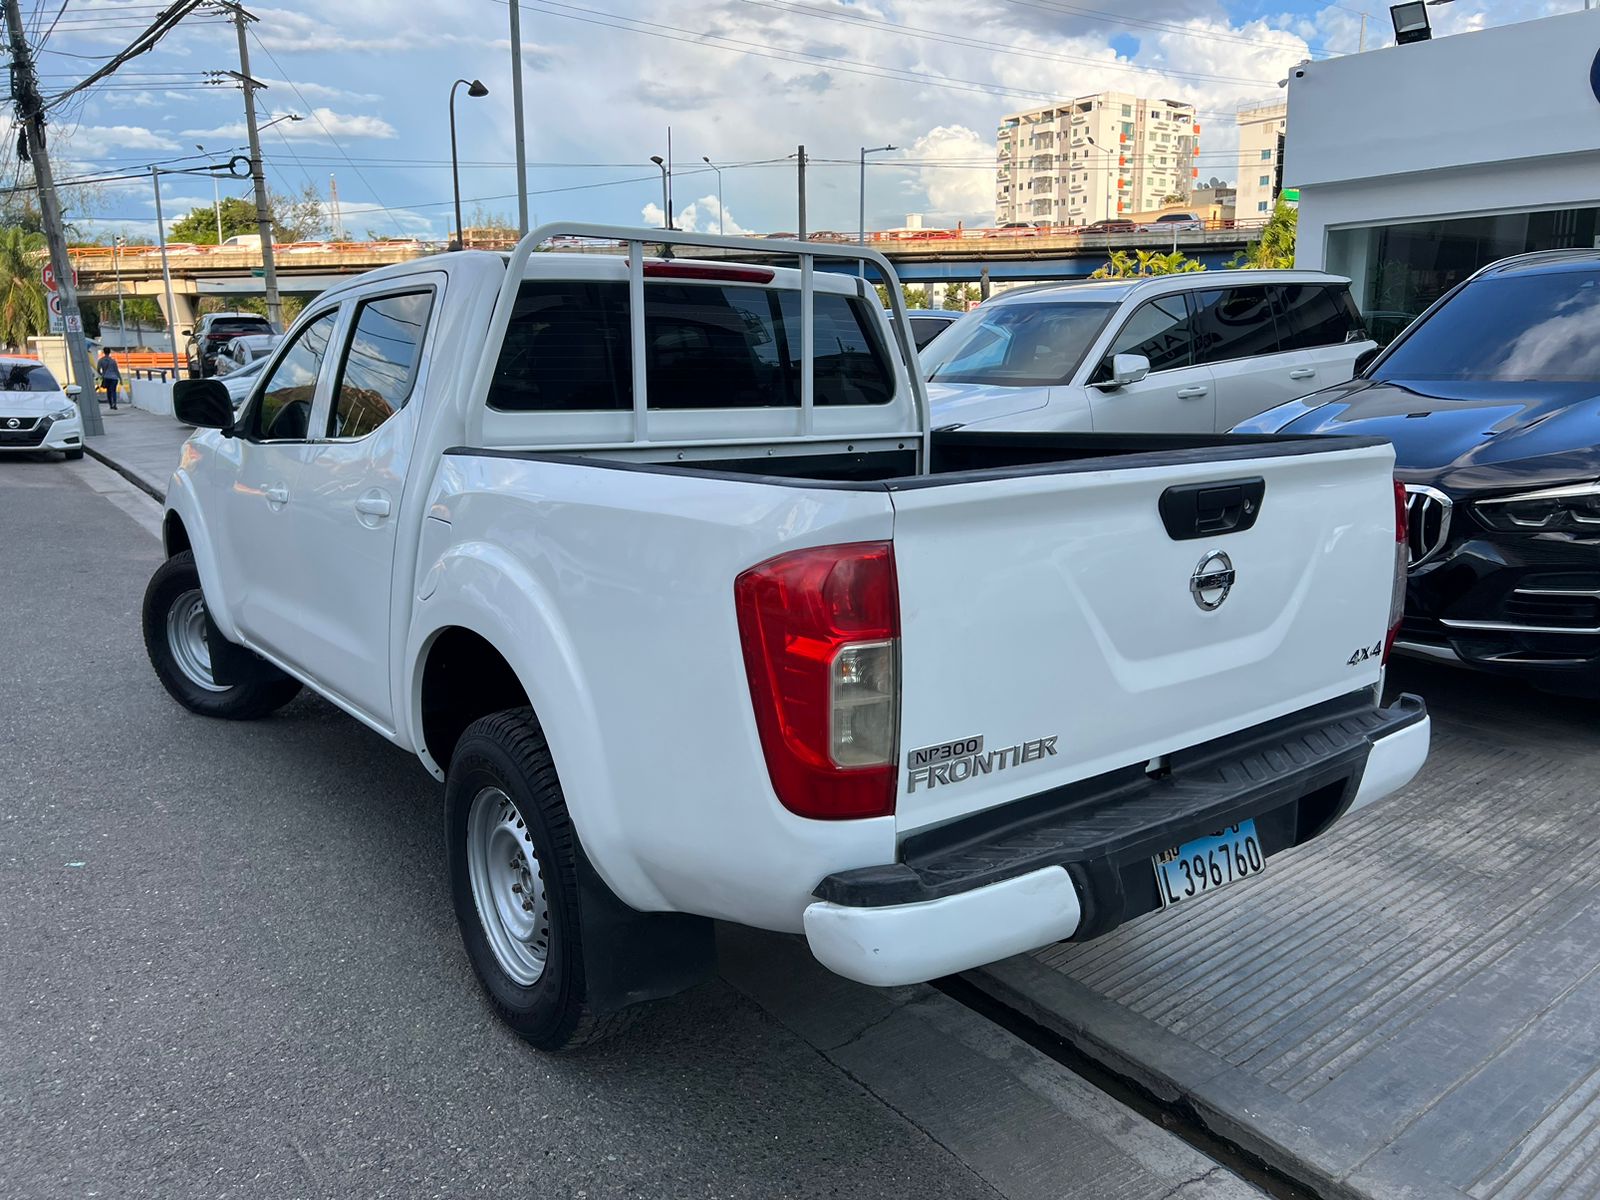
184, 315
983, 283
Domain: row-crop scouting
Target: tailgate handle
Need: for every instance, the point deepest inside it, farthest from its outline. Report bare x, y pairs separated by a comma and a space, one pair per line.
1197, 510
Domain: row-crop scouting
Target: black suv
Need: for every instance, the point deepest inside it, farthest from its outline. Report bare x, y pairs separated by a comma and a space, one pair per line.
1492, 401
214, 332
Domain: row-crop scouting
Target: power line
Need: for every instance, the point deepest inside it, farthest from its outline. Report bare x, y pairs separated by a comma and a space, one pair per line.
143, 44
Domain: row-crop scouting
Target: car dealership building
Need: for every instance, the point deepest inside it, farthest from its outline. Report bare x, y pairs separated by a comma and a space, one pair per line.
1419, 163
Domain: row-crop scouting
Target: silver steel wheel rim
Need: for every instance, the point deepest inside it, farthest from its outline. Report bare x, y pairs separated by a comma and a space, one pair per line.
186, 638
507, 886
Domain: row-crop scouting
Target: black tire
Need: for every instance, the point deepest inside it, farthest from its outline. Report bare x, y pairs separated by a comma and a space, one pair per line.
507, 751
73, 455
177, 581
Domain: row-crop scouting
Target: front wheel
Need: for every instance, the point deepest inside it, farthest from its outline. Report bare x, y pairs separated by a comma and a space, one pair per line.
74, 454
176, 639
514, 883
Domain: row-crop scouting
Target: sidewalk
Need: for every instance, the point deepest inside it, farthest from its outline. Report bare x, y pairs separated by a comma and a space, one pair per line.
140, 446
1406, 1007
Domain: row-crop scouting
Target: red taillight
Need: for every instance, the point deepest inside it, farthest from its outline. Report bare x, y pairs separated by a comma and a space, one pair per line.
680, 270
820, 630
1397, 597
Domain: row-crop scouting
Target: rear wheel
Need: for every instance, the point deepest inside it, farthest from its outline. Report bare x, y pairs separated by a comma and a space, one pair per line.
176, 639
514, 883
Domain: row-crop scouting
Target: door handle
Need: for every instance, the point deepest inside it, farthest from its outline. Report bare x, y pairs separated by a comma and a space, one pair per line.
1303, 373
1189, 393
373, 504
276, 494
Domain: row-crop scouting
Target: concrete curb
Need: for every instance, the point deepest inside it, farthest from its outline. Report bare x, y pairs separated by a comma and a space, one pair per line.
153, 490
1332, 1163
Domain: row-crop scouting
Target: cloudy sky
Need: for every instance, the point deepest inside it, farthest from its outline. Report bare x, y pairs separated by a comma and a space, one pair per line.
740, 81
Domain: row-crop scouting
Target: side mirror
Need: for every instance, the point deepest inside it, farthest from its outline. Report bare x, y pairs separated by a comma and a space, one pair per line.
1125, 369
72, 389
203, 403
186, 331
1364, 360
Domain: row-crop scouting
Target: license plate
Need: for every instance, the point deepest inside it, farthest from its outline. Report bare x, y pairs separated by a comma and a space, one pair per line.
1208, 863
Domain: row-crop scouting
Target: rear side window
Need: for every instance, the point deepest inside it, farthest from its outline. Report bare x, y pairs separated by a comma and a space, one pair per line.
1310, 315
569, 349
1161, 331
380, 363
1232, 323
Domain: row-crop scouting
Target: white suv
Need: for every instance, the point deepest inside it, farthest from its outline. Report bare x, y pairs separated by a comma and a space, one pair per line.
35, 412
1195, 353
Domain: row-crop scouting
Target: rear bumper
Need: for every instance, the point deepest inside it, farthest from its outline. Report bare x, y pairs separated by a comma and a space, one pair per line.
1076, 863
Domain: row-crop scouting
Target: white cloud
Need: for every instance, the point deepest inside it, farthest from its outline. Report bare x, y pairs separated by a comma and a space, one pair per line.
698, 216
98, 138
319, 125
956, 190
320, 91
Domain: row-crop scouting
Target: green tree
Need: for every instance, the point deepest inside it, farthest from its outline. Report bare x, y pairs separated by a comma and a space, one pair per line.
911, 297
1124, 265
1274, 249
22, 299
299, 217
200, 226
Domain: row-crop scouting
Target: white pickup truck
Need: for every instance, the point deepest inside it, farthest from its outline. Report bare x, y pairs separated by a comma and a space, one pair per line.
655, 563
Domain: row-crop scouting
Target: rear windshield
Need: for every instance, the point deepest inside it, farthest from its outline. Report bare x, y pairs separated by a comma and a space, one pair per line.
237, 325
568, 348
28, 377
1507, 328
1017, 345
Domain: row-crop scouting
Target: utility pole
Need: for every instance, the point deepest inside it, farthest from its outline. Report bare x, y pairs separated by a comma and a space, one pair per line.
516, 116
117, 242
333, 203
269, 268
30, 114
802, 158
166, 273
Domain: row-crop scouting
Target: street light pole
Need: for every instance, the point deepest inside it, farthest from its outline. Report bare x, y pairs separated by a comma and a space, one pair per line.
122, 312
862, 223
166, 274
216, 198
718, 170
516, 117
666, 199
1110, 154
474, 88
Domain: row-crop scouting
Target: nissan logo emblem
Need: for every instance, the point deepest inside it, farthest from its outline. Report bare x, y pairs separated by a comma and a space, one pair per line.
13, 423
1212, 580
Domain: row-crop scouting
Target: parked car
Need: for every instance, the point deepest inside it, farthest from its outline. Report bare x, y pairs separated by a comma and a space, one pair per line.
718, 630
238, 382
1492, 400
205, 341
36, 412
246, 349
1167, 222
928, 323
1193, 353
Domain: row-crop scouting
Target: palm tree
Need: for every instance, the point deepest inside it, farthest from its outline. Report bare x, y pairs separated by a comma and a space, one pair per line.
22, 300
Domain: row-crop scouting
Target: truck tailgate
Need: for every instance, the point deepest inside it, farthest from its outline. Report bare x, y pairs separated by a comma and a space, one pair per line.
1050, 614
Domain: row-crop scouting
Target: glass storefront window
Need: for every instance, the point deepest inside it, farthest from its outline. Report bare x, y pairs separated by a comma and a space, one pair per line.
1399, 270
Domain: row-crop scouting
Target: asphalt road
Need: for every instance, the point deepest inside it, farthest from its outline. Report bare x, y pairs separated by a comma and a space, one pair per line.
228, 965
228, 968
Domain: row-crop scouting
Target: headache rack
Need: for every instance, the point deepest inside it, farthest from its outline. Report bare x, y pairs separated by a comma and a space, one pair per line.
678, 434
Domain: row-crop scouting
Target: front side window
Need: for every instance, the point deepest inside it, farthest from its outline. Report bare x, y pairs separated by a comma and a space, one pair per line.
1511, 328
380, 363
1312, 315
1232, 323
1018, 344
1161, 331
283, 412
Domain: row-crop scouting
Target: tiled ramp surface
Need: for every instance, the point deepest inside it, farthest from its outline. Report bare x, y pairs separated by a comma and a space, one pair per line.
1408, 1007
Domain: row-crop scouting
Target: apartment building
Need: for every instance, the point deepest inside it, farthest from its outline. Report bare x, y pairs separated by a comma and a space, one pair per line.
1261, 129
1080, 161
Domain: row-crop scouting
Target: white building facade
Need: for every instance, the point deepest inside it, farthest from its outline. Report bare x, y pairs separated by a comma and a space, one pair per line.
1418, 164
1261, 139
1083, 160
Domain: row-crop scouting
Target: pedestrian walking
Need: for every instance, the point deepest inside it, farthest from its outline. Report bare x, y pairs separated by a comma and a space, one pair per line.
110, 376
